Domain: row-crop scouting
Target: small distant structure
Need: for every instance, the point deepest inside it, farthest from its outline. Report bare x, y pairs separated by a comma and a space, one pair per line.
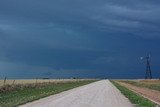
45, 78
148, 74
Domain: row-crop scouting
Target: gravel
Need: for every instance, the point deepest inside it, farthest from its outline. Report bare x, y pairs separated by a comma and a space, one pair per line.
97, 94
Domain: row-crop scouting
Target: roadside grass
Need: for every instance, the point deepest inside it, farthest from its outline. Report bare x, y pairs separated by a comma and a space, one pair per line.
28, 94
136, 99
154, 86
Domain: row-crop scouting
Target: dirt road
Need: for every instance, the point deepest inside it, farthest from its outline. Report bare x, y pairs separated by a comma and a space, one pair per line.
97, 94
150, 94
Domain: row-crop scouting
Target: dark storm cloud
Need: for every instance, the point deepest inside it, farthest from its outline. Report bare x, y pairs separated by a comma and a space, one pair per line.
65, 38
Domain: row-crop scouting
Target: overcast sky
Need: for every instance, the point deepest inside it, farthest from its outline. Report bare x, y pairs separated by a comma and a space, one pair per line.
78, 38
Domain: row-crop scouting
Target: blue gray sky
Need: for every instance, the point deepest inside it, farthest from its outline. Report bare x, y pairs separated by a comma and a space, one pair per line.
78, 38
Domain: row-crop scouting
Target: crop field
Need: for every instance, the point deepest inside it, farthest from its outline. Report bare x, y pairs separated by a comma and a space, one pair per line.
151, 84
154, 81
35, 81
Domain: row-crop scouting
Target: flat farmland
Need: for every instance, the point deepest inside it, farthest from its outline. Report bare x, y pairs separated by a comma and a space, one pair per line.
153, 81
86, 93
151, 84
34, 81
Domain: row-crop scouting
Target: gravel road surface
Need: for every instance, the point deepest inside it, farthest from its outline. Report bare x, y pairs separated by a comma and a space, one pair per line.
97, 94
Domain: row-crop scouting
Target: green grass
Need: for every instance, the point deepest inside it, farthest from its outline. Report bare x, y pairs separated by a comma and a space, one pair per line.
24, 95
139, 84
133, 97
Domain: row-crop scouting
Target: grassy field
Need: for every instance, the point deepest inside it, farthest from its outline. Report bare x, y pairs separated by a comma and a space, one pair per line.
151, 84
20, 94
133, 97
